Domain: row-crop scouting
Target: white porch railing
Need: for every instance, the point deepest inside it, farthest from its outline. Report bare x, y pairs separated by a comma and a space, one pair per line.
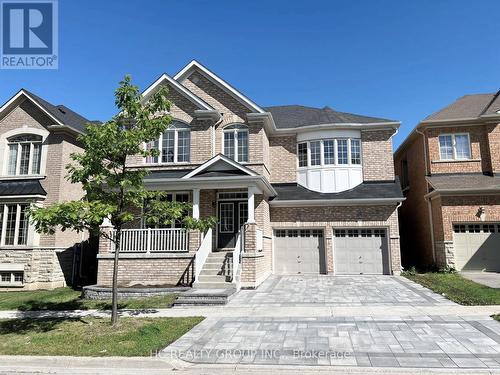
240, 241
152, 240
202, 253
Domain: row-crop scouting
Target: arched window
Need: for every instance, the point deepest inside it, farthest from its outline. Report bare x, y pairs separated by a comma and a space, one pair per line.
236, 142
174, 145
25, 154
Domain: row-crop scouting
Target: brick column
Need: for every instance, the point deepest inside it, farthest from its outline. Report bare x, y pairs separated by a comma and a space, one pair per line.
194, 240
104, 243
250, 237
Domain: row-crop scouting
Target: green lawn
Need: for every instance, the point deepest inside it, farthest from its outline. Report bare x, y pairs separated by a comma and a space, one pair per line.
69, 299
91, 336
457, 288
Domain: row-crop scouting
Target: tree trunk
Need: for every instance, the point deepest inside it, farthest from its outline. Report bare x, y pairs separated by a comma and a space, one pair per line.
114, 300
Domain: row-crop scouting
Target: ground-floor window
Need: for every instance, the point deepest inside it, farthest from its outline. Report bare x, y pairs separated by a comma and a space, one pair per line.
172, 197
11, 277
14, 224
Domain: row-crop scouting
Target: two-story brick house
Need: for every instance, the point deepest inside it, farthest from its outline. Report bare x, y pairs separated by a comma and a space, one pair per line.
449, 168
36, 140
294, 189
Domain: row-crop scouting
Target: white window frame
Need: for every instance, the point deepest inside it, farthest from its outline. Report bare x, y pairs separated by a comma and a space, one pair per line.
454, 146
19, 153
235, 129
174, 199
183, 127
3, 230
12, 281
335, 153
4, 151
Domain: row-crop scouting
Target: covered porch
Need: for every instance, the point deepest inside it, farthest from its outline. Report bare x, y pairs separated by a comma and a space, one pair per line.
238, 198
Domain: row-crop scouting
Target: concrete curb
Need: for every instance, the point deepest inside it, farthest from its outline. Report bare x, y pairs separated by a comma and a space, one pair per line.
134, 365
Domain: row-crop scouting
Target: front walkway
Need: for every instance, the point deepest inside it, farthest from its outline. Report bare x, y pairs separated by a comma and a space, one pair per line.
392, 338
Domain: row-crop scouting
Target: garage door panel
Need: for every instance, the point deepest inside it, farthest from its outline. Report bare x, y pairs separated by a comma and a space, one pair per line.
360, 251
477, 246
299, 251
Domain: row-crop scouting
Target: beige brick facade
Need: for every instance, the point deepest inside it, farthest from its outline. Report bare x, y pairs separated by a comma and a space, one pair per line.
376, 146
47, 264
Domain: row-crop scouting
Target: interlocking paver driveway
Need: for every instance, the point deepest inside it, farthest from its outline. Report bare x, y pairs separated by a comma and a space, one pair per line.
389, 341
337, 291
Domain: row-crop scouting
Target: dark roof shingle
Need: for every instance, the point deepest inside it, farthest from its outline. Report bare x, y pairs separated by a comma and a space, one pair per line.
62, 113
26, 187
294, 116
366, 190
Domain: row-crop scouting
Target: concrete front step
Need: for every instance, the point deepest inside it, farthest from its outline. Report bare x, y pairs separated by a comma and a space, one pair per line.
217, 272
211, 278
205, 297
213, 285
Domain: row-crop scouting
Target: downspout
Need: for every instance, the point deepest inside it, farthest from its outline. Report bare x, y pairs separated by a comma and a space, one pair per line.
428, 200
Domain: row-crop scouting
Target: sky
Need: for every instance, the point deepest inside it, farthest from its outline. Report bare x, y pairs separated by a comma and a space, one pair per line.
396, 59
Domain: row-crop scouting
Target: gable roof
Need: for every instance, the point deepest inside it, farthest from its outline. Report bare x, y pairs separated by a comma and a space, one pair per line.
220, 171
294, 116
468, 106
196, 66
180, 88
61, 114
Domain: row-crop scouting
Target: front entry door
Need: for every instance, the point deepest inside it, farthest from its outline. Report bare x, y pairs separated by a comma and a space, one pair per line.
232, 215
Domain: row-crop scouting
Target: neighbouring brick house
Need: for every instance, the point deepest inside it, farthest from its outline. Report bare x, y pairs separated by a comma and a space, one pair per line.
449, 167
36, 140
295, 190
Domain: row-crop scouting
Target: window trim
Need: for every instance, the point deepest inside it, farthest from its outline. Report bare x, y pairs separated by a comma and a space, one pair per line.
235, 129
3, 229
174, 196
183, 127
454, 146
335, 153
4, 156
12, 282
20, 153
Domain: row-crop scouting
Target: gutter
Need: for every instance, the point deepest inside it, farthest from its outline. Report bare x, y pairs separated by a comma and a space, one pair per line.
190, 181
334, 202
459, 191
270, 125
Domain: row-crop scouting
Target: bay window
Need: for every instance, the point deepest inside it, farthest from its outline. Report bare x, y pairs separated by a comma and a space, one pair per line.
14, 224
454, 147
25, 153
174, 145
235, 142
339, 151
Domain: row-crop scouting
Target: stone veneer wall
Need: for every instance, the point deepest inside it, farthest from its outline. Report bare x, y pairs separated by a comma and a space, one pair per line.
44, 268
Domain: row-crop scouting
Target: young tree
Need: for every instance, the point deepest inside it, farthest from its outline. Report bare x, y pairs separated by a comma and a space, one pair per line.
114, 191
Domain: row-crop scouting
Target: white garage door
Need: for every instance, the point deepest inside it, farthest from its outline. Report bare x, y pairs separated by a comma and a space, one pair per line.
360, 251
299, 251
477, 246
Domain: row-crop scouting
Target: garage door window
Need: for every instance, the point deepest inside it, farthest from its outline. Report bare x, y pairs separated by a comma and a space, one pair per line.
476, 228
359, 232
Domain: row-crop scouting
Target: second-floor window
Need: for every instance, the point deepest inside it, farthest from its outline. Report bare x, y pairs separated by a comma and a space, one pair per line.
341, 151
454, 147
25, 154
174, 145
236, 142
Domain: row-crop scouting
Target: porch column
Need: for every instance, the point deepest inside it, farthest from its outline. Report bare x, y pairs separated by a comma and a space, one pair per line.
251, 206
196, 203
